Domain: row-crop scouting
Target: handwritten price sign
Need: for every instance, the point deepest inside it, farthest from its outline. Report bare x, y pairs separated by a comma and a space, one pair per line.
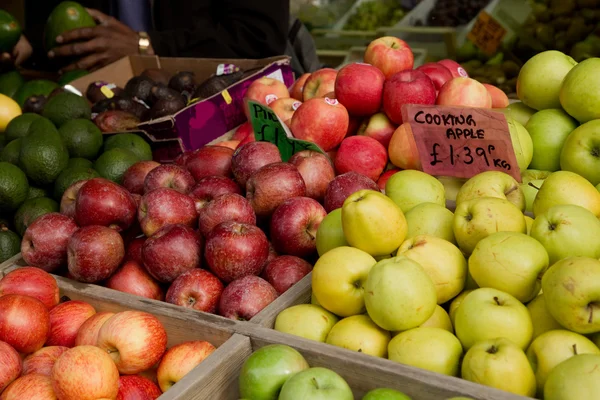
461, 142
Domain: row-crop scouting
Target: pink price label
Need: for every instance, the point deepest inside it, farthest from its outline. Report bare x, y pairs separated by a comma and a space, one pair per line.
270, 98
331, 102
296, 104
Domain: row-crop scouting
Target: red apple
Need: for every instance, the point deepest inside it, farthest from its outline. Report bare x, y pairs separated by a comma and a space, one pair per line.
437, 73
265, 91
294, 226
232, 144
133, 251
134, 177
135, 387
402, 149
65, 321
228, 207
171, 251
69, 197
297, 90
44, 244
135, 340
319, 83
465, 92
378, 127
197, 289
10, 365
343, 186
384, 178
24, 322
169, 176
250, 157
95, 253
33, 386
210, 188
390, 54
210, 160
85, 373
285, 271
316, 170
272, 255
273, 184
245, 297
179, 360
407, 87
243, 131
234, 250
166, 206
31, 281
88, 332
499, 98
321, 121
359, 87
455, 69
248, 139
361, 154
133, 278
180, 159
42, 361
285, 108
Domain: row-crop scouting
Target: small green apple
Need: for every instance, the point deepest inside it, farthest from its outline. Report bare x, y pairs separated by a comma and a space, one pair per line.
529, 222
553, 347
385, 394
567, 231
579, 91
565, 187
330, 233
492, 184
530, 190
577, 378
306, 320
338, 279
444, 263
511, 262
478, 218
410, 187
399, 294
521, 142
549, 130
439, 319
451, 186
267, 369
316, 384
433, 349
518, 111
372, 222
430, 219
501, 364
532, 174
572, 293
540, 79
542, 320
359, 333
456, 302
488, 313
581, 152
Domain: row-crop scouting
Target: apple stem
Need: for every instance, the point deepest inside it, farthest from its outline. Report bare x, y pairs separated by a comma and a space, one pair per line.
497, 300
492, 350
315, 382
533, 186
574, 349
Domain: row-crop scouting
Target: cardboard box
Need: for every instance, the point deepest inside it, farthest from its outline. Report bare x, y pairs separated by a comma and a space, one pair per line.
200, 123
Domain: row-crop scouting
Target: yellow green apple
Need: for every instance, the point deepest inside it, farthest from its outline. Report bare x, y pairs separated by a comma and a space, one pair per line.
306, 320
492, 184
529, 221
581, 152
577, 378
410, 187
533, 174
330, 233
452, 186
521, 142
439, 319
542, 320
338, 279
456, 302
360, 333
316, 383
385, 394
579, 91
565, 187
517, 111
470, 283
430, 219
313, 299
530, 190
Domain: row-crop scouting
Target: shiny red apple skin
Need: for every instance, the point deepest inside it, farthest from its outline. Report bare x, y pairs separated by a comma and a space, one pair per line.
243, 131
251, 157
343, 186
243, 298
208, 161
211, 187
135, 176
437, 72
197, 289
228, 207
134, 279
316, 170
24, 322
323, 121
30, 387
379, 127
464, 92
42, 361
88, 332
285, 271
297, 89
180, 360
390, 54
133, 251
359, 87
361, 154
319, 83
169, 176
406, 87
265, 90
68, 200
44, 244
165, 206
31, 281
285, 108
135, 387
384, 178
455, 68
65, 321
10, 365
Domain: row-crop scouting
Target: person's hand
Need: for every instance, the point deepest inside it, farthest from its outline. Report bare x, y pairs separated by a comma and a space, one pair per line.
21, 52
97, 46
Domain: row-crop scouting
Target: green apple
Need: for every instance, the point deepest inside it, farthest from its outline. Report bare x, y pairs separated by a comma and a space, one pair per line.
456, 302
549, 130
581, 152
470, 283
444, 263
410, 187
572, 293
532, 174
316, 384
488, 313
439, 319
478, 218
542, 320
577, 378
451, 186
567, 231
372, 222
530, 190
430, 219
553, 347
306, 320
580, 91
492, 184
511, 262
267, 369
501, 364
433, 349
360, 333
598, 187
521, 142
540, 79
338, 279
385, 394
565, 187
517, 111
330, 233
399, 294
529, 222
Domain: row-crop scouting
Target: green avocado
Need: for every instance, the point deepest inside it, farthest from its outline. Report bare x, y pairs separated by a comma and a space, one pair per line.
66, 16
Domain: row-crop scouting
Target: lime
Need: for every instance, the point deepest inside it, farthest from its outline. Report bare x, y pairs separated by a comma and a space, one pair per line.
32, 209
132, 142
14, 187
77, 162
36, 192
113, 163
10, 83
10, 32
66, 106
70, 176
82, 137
10, 152
10, 244
19, 126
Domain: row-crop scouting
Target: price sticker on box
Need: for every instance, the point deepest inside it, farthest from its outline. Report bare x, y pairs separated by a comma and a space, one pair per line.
487, 33
269, 128
461, 142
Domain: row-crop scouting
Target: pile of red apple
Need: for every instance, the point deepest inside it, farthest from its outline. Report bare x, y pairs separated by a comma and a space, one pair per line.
66, 350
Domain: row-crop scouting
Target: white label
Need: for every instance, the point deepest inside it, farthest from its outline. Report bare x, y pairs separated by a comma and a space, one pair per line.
276, 75
296, 105
270, 98
462, 72
331, 102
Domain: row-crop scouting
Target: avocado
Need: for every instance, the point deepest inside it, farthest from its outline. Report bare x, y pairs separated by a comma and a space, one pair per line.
35, 104
66, 16
130, 105
184, 82
105, 105
34, 88
139, 87
94, 92
116, 121
160, 91
10, 83
157, 75
167, 106
216, 84
56, 92
10, 32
